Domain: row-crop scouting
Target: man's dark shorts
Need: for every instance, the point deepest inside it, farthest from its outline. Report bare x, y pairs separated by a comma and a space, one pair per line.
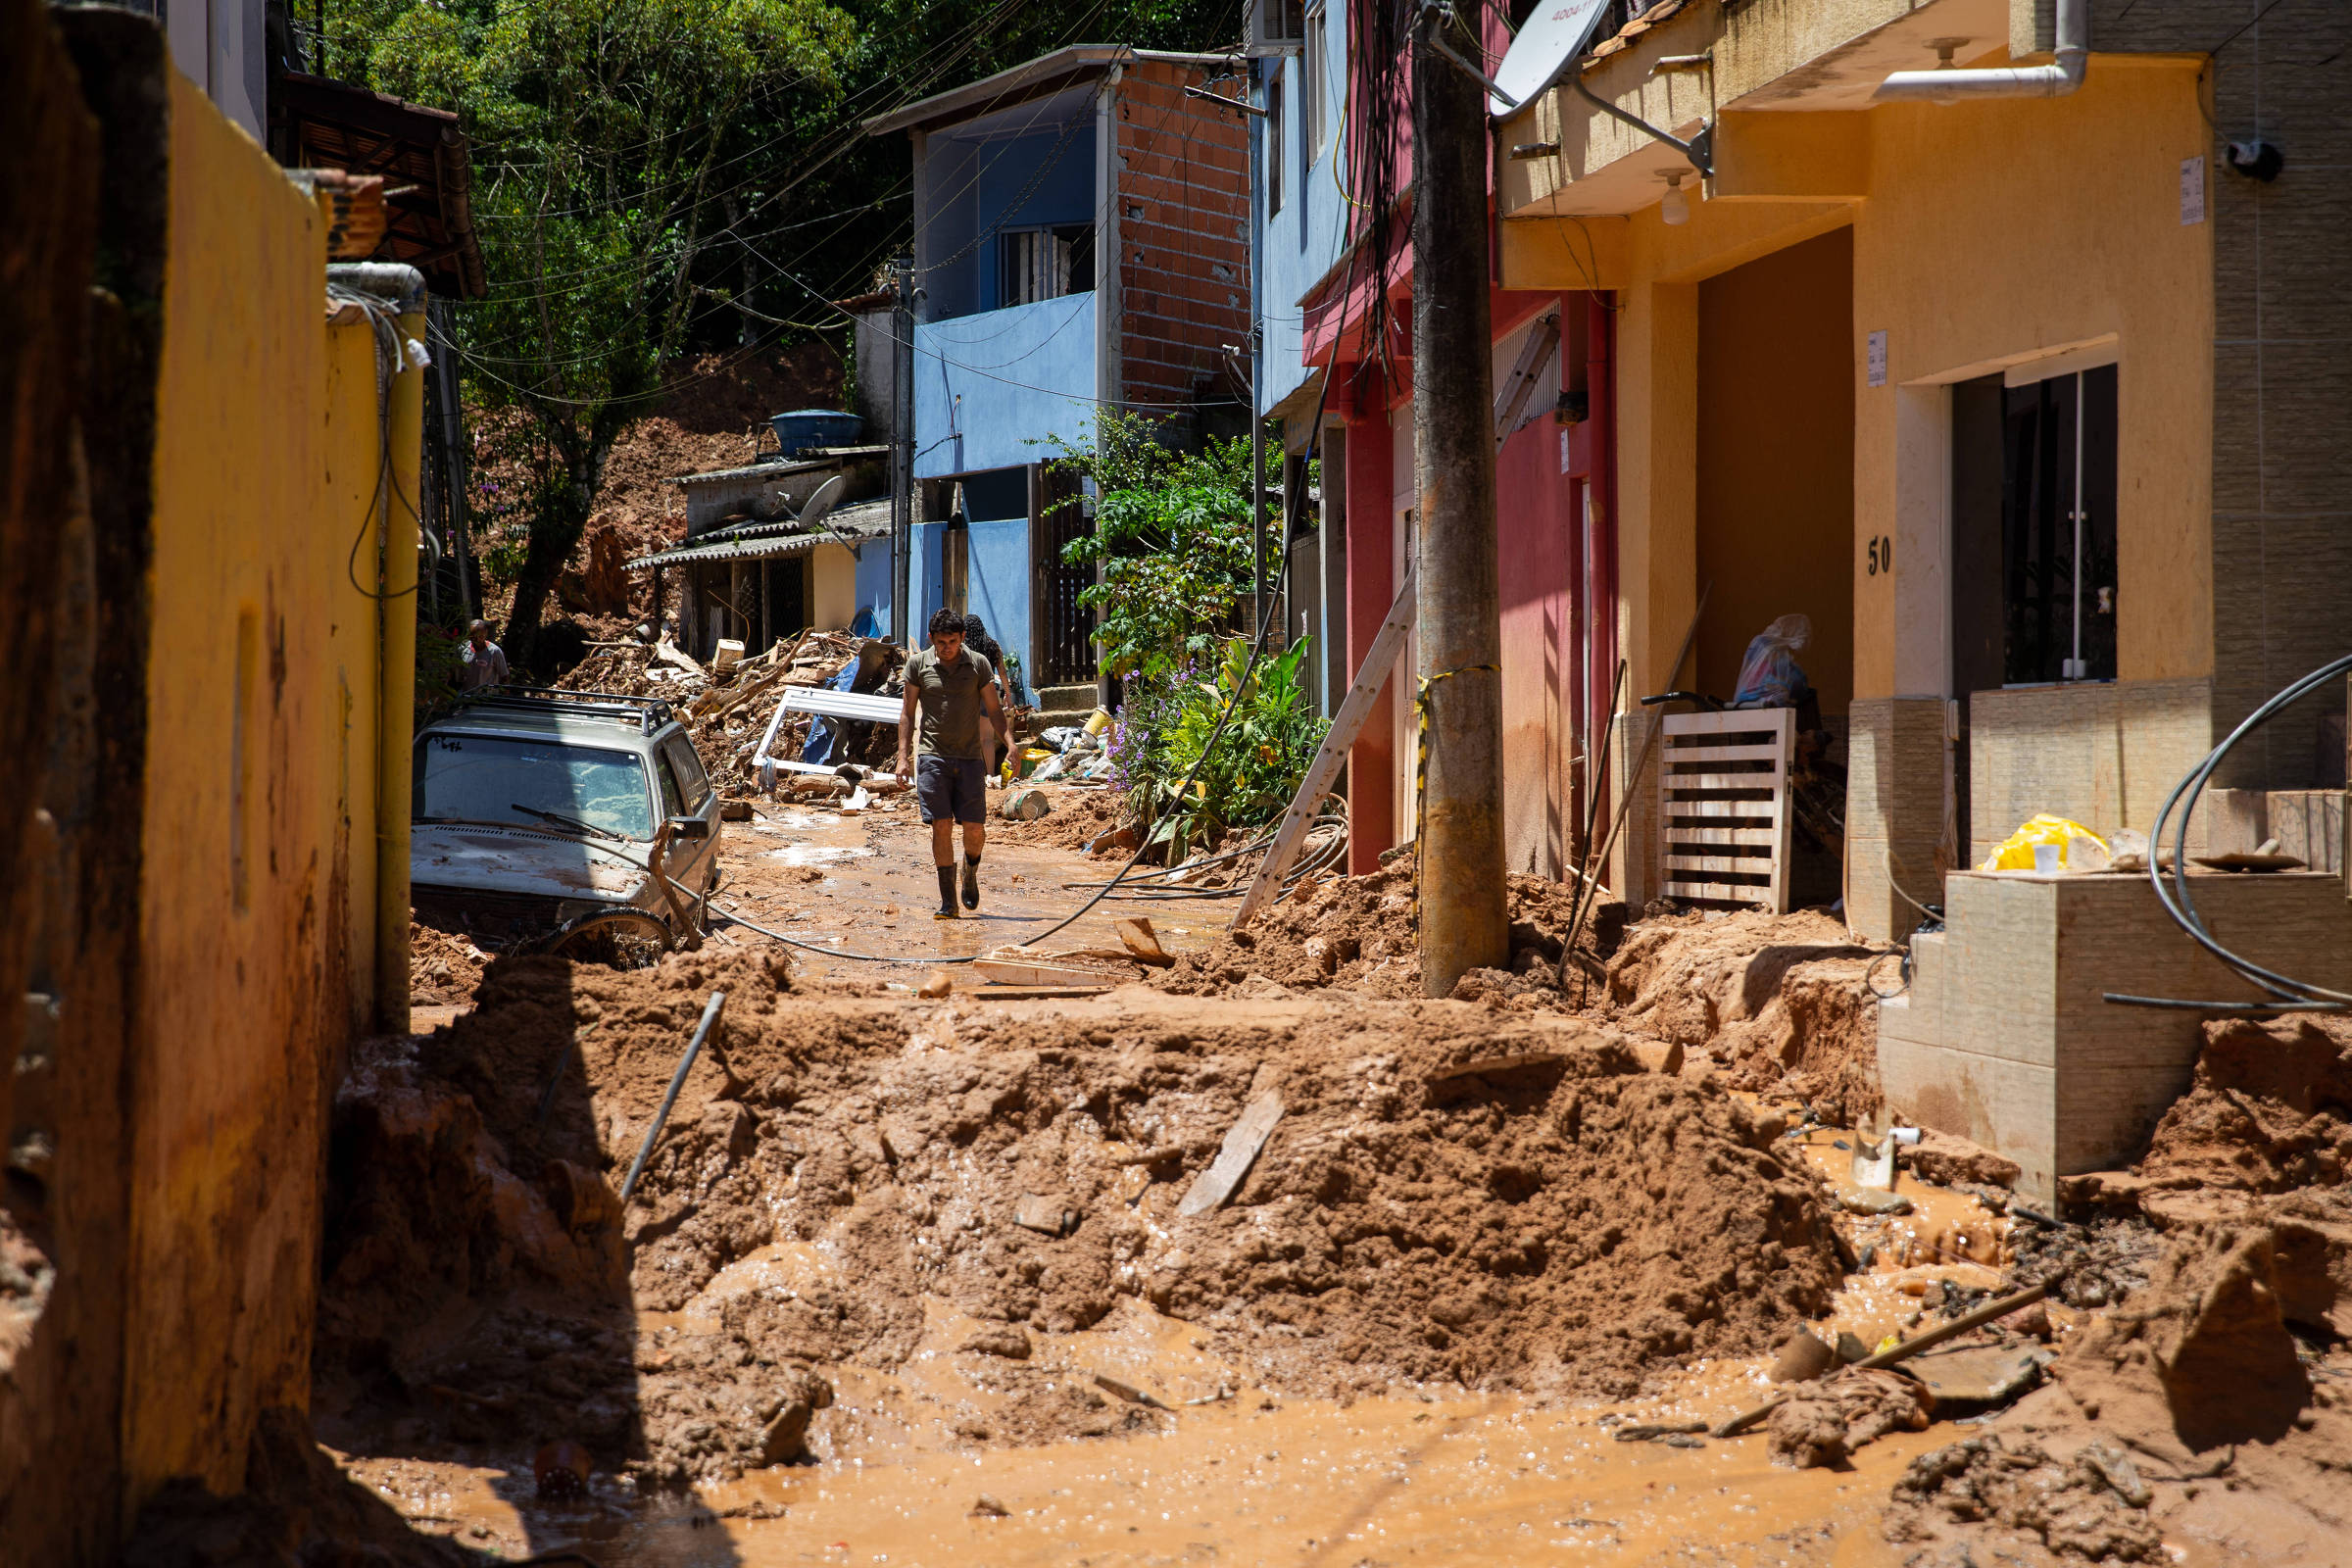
952, 789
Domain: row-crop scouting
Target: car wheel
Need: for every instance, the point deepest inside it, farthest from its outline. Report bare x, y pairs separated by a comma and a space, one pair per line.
621, 939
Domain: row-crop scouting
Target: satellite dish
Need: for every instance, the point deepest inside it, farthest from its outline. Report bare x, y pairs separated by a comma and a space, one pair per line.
814, 512
1551, 42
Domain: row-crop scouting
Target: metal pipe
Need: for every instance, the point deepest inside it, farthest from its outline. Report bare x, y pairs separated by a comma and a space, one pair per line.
1257, 354
1699, 149
2054, 80
678, 1081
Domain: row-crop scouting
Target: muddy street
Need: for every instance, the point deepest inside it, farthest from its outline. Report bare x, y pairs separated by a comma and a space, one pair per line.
925, 1278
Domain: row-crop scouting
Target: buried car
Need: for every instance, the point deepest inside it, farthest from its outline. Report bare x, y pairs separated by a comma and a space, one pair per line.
551, 820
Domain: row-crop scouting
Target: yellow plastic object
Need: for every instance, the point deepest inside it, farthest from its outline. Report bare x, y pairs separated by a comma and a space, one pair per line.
2016, 852
1098, 721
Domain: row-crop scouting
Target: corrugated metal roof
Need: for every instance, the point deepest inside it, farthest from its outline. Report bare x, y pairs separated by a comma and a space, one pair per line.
778, 468
738, 550
760, 541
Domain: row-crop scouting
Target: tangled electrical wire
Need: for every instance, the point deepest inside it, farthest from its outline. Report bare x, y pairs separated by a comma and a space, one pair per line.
2292, 994
1326, 843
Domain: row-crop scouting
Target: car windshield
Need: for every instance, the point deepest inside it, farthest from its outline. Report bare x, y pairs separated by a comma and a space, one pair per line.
496, 778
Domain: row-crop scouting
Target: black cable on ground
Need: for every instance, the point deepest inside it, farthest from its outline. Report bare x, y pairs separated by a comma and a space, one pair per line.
2293, 995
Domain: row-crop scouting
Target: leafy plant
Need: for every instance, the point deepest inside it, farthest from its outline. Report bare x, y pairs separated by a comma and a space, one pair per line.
1172, 540
1164, 730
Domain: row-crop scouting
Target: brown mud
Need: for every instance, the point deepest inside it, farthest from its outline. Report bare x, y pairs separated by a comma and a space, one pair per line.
1779, 1003
1362, 934
1571, 1224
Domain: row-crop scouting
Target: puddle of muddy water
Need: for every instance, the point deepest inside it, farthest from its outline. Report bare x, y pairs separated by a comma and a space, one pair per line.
1256, 1479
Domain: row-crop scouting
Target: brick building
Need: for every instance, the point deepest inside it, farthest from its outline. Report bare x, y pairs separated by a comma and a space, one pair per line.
1081, 241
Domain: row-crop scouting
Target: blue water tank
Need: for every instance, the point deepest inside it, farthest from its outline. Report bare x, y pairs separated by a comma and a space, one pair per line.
804, 429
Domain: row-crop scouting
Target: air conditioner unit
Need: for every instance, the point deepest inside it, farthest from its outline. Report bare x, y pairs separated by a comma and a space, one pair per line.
1277, 26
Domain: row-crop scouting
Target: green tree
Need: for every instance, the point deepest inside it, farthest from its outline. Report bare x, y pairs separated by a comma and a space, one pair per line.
1172, 539
604, 139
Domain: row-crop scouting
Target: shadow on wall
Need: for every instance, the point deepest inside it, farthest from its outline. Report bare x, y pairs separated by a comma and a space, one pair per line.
476, 1305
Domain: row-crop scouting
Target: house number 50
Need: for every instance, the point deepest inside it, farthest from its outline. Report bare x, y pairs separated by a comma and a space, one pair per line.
1882, 555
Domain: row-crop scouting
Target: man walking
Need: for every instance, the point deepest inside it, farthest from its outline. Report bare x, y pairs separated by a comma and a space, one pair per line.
950, 690
485, 661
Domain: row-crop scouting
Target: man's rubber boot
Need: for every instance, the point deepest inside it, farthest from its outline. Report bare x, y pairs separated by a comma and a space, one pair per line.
972, 884
946, 893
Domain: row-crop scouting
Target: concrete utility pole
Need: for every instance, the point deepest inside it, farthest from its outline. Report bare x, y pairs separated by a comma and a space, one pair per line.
902, 442
1465, 922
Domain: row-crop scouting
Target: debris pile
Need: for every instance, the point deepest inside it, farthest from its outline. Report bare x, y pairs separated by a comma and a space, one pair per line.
1779, 1003
444, 966
726, 709
2206, 1399
1080, 820
1362, 933
2271, 1109
1822, 1423
1443, 1196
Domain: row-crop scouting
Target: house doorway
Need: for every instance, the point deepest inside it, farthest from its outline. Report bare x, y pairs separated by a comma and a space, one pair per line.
2033, 535
1776, 506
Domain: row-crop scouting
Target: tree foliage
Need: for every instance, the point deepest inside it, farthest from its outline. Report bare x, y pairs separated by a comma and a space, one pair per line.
603, 133
654, 178
1172, 542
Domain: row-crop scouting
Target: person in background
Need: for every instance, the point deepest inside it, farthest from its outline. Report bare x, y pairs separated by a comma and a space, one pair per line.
485, 661
977, 639
950, 690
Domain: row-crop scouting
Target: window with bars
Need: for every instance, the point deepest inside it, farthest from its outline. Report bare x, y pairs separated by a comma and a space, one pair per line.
1044, 264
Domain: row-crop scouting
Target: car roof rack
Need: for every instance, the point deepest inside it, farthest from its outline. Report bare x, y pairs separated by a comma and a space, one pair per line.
650, 713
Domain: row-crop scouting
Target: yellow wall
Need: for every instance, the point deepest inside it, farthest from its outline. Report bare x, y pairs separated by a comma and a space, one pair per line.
1986, 233
832, 586
2001, 227
260, 830
1776, 461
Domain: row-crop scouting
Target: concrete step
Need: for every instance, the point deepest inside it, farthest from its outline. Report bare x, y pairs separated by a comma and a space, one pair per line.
1079, 699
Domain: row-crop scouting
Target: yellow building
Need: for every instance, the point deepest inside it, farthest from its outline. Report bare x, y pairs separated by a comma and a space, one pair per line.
211, 791
1879, 344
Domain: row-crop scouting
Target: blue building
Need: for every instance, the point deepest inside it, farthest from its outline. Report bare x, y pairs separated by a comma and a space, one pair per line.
1081, 241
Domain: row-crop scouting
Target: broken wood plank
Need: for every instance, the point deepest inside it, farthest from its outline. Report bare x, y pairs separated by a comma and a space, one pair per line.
1013, 971
1136, 934
1325, 768
1479, 1064
1032, 992
1213, 1186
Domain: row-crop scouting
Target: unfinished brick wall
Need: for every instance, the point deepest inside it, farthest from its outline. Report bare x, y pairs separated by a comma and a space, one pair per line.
1183, 218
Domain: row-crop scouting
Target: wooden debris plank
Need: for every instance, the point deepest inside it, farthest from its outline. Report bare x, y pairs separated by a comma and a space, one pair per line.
1141, 941
1714, 753
1355, 709
1479, 1064
1033, 993
1213, 1186
1030, 972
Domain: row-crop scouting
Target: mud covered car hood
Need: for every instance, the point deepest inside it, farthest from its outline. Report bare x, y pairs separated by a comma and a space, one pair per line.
519, 860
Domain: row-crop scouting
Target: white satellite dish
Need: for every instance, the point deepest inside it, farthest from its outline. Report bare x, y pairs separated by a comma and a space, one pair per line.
1551, 42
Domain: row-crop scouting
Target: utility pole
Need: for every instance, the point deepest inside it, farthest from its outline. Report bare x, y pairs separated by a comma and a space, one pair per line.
1464, 921
902, 442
